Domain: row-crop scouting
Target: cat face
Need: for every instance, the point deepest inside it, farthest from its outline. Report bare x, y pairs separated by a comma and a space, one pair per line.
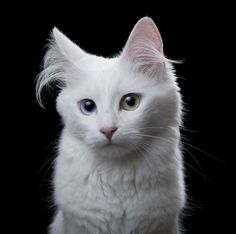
113, 110
115, 105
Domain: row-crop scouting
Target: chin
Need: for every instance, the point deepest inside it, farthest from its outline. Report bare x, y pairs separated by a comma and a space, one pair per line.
113, 150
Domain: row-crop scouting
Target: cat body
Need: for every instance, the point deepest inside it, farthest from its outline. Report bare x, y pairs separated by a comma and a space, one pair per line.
119, 166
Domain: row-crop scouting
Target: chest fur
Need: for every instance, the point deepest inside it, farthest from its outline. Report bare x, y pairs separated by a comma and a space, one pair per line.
109, 198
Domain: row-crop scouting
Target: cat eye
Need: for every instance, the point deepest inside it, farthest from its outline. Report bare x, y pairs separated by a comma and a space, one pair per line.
87, 106
130, 102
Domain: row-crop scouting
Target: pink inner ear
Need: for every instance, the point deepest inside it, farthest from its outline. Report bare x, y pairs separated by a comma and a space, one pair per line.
145, 48
145, 30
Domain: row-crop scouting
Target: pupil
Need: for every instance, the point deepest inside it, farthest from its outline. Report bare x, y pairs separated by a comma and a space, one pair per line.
130, 100
89, 105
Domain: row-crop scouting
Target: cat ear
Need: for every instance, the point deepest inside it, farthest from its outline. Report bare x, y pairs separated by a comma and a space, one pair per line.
144, 48
66, 47
60, 61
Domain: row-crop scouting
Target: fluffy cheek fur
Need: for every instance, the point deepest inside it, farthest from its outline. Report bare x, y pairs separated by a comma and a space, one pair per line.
156, 113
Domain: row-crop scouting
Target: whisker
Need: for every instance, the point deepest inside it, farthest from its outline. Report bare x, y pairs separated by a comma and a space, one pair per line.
45, 163
184, 143
169, 127
141, 152
195, 160
47, 171
155, 127
204, 152
150, 165
189, 130
155, 137
48, 161
52, 144
198, 172
201, 172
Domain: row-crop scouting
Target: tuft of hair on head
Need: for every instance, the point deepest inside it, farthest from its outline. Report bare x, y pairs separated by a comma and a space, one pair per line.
59, 60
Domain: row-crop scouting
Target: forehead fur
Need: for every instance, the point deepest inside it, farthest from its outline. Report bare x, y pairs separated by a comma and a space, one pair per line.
110, 77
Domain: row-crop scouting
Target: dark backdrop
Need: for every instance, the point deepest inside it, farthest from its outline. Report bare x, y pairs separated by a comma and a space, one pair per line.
195, 33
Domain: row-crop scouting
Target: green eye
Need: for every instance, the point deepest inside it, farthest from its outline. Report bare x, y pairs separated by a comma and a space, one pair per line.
130, 102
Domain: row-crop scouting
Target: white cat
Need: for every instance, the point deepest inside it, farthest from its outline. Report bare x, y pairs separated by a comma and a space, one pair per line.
119, 166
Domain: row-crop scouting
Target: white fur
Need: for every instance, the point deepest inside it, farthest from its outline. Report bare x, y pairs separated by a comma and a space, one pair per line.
136, 184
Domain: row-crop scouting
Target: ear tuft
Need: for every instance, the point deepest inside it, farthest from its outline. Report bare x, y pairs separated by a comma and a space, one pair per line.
62, 57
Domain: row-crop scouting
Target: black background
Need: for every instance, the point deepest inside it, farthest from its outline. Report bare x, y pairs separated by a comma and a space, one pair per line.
197, 33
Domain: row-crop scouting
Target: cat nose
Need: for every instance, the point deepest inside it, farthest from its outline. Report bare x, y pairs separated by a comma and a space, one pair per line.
108, 132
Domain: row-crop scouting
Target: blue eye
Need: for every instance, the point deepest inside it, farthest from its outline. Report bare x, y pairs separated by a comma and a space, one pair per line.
87, 106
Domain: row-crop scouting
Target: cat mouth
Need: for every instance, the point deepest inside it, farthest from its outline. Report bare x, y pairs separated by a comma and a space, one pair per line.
110, 144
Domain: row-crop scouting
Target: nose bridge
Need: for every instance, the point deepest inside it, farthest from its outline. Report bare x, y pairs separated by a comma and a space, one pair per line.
107, 112
107, 119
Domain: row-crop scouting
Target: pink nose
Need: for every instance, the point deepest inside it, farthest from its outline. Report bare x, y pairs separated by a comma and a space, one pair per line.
108, 132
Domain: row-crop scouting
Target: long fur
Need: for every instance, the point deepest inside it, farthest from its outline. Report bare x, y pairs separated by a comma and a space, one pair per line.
135, 184
53, 71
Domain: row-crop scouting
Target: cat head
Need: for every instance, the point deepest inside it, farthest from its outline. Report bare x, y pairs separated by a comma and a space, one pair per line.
114, 105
